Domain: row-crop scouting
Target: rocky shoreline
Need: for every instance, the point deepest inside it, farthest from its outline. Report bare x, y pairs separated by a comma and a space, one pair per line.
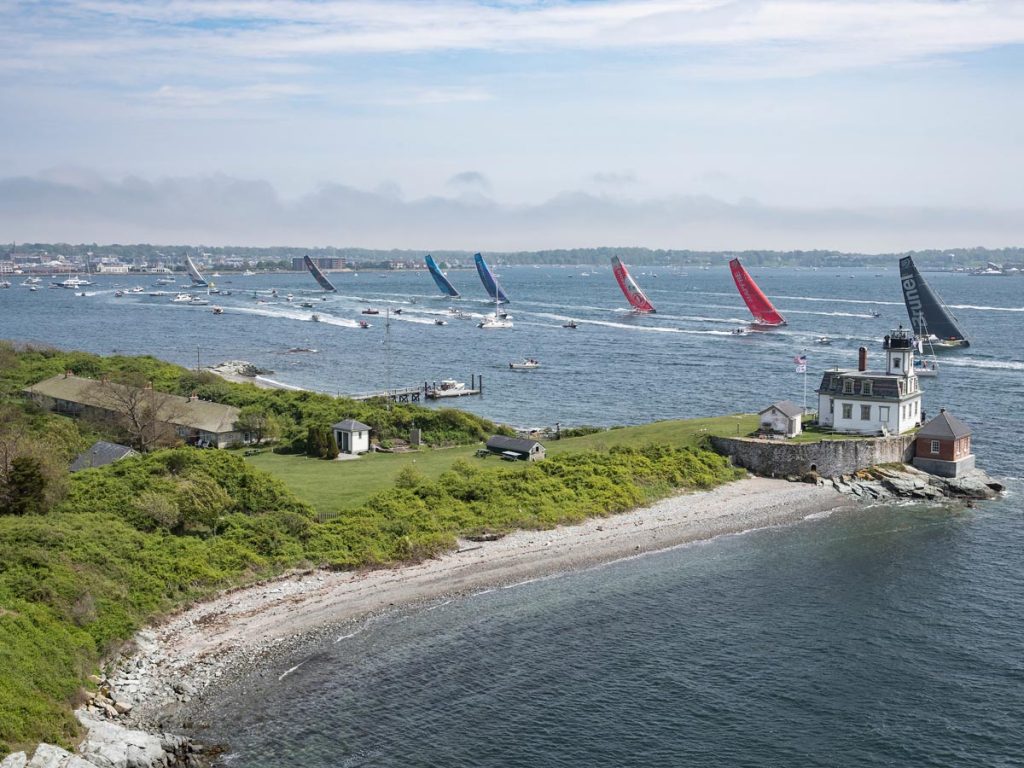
884, 483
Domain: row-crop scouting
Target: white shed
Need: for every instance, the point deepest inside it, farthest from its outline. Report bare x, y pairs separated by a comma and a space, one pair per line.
781, 418
352, 436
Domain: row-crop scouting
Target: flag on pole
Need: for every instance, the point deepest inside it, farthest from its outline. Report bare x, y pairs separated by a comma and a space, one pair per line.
801, 363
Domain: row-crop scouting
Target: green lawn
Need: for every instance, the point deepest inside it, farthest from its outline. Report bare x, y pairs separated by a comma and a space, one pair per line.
333, 485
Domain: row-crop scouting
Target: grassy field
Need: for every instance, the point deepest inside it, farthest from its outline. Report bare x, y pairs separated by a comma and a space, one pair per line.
330, 486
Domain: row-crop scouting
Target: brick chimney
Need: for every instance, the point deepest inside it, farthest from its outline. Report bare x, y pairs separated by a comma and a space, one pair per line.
862, 359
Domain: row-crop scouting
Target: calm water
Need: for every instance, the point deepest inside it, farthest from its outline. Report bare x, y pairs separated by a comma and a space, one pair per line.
889, 636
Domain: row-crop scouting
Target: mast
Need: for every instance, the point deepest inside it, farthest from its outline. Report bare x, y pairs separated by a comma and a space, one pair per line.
926, 309
636, 297
320, 277
440, 279
490, 283
760, 307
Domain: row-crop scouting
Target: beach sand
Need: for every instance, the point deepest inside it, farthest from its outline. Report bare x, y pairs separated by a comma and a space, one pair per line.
219, 639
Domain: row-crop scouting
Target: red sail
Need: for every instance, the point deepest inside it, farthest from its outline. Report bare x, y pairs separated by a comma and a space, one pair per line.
629, 287
762, 310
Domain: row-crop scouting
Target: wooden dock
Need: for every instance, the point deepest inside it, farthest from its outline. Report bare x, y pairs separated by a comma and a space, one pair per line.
430, 390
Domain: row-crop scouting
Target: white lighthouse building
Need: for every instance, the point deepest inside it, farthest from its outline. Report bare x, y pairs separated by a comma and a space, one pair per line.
874, 402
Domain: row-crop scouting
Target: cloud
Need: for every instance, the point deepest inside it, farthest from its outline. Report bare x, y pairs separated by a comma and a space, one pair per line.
712, 38
614, 178
223, 210
472, 181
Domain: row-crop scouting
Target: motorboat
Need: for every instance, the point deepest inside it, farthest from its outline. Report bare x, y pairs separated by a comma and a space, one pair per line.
876, 314
527, 363
926, 369
825, 340
118, 294
363, 324
570, 324
73, 282
307, 304
439, 321
182, 298
137, 289
5, 283
315, 318
197, 301
218, 310
371, 311
498, 320
739, 331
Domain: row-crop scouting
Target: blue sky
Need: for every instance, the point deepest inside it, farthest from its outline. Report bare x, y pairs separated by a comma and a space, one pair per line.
848, 124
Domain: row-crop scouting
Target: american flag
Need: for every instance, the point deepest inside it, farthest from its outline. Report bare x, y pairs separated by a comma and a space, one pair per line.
801, 363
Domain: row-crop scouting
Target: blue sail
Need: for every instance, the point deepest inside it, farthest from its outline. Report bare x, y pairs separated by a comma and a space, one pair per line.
493, 289
442, 282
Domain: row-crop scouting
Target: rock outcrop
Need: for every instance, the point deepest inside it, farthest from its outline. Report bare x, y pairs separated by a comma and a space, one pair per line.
15, 760
904, 482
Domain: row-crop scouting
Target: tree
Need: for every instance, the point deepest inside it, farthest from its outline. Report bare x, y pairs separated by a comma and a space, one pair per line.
25, 490
320, 443
259, 422
141, 413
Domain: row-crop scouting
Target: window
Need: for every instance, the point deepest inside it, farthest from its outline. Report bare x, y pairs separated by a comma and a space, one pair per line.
830, 404
848, 386
896, 363
865, 413
883, 413
935, 446
900, 383
847, 410
866, 387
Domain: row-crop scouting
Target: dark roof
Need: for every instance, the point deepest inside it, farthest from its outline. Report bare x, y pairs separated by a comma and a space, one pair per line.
882, 385
786, 407
99, 454
944, 426
516, 444
350, 425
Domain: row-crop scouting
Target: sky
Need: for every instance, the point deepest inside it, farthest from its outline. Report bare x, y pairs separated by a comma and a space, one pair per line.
856, 125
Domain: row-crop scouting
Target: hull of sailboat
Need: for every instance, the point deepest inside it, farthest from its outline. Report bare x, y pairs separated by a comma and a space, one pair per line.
442, 282
929, 316
636, 297
318, 275
490, 283
765, 314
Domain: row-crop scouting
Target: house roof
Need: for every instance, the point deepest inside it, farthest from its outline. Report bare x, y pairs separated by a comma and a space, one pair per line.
944, 426
883, 386
516, 444
786, 407
201, 415
100, 453
351, 425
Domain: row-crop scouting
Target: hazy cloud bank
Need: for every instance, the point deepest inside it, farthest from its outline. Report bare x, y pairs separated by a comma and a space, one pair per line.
220, 210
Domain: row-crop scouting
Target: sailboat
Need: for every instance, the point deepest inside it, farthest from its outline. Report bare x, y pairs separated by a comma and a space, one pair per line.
440, 278
926, 366
765, 314
490, 284
927, 310
193, 272
318, 275
637, 299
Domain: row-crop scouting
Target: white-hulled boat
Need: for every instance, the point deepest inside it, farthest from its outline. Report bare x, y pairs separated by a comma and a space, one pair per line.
181, 298
527, 363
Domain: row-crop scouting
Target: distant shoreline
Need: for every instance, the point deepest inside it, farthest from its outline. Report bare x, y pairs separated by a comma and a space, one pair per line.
246, 631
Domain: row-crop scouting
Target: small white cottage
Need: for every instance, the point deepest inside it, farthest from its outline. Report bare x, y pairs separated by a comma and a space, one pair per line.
352, 436
781, 418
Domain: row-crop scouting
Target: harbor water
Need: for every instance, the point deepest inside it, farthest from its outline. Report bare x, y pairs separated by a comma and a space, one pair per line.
884, 636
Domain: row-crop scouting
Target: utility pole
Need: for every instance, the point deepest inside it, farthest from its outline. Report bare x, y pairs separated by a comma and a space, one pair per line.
197, 361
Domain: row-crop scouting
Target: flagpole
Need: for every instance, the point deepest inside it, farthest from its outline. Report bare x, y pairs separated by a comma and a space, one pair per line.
805, 382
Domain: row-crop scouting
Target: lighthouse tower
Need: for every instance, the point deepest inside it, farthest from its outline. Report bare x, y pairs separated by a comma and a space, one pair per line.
899, 354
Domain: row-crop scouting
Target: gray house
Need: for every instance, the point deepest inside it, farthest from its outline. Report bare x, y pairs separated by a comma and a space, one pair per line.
516, 448
351, 436
100, 454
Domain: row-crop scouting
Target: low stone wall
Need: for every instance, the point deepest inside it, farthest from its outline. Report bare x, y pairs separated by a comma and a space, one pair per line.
829, 458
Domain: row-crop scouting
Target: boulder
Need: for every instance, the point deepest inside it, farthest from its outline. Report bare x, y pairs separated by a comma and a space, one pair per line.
14, 760
109, 745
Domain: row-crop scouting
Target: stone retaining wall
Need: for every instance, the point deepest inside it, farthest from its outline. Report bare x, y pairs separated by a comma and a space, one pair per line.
829, 458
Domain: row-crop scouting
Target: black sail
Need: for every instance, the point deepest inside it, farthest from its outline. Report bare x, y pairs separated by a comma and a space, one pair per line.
928, 315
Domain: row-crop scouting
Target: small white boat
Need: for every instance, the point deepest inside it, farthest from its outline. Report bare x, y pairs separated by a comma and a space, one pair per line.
5, 283
33, 287
198, 302
494, 321
527, 363
118, 294
926, 369
440, 322
137, 289
315, 318
307, 304
218, 310
181, 298
363, 324
248, 273
739, 331
825, 340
